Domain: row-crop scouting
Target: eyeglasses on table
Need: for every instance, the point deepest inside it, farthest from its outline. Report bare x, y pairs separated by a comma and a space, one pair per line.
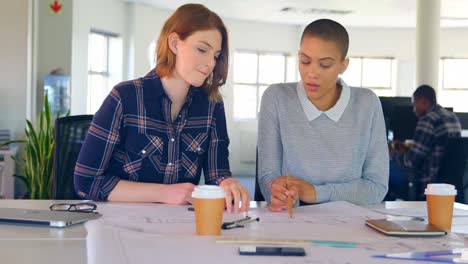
74, 207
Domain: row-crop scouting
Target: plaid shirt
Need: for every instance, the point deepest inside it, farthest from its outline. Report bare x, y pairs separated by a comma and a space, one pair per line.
132, 137
430, 138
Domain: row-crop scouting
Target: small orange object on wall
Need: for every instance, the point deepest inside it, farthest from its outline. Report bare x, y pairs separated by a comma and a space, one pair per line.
56, 7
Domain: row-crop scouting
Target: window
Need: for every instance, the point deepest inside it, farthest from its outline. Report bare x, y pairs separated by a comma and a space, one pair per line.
453, 83
453, 73
104, 67
373, 73
152, 54
253, 73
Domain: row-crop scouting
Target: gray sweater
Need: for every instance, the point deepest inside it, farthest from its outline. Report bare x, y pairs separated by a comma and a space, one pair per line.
342, 152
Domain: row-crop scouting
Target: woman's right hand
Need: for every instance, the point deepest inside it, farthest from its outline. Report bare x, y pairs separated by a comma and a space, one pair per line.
280, 193
298, 190
179, 193
400, 147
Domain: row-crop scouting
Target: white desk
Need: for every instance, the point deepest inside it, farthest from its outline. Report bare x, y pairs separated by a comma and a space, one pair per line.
152, 233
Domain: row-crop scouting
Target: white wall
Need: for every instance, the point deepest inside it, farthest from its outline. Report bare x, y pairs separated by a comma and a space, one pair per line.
147, 26
388, 43
247, 35
14, 65
53, 43
105, 15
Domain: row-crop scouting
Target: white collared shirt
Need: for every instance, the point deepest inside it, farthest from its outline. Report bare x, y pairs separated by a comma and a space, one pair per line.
333, 113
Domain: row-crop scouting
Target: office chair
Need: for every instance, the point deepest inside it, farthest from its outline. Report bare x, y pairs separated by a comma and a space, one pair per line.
258, 196
451, 170
415, 190
70, 132
452, 167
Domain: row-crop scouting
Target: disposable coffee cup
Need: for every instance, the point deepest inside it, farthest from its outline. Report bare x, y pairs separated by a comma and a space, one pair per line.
208, 201
408, 143
440, 198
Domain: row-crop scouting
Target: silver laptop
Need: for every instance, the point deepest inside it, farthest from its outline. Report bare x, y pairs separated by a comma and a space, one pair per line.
44, 217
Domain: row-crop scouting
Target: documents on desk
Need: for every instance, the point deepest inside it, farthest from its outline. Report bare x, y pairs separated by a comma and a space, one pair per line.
142, 233
419, 211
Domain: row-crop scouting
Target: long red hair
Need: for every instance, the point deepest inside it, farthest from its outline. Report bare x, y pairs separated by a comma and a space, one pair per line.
186, 20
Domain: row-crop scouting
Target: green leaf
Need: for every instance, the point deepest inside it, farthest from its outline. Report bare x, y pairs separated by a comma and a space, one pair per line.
11, 142
41, 124
33, 140
36, 166
47, 112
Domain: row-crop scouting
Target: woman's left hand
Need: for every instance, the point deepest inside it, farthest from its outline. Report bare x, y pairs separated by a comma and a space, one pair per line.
237, 193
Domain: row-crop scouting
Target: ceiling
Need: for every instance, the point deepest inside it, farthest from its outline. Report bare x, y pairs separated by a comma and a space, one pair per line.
351, 13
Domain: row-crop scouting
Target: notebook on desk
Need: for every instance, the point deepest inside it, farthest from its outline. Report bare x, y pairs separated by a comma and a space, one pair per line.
404, 228
44, 217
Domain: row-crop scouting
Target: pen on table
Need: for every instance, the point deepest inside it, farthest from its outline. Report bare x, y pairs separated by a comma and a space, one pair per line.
269, 241
290, 200
245, 221
239, 223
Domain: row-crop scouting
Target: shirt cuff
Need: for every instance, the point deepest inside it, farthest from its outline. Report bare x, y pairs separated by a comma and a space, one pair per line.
106, 185
218, 179
265, 190
322, 193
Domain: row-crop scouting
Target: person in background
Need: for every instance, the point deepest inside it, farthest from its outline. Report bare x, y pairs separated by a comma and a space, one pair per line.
435, 126
153, 136
328, 136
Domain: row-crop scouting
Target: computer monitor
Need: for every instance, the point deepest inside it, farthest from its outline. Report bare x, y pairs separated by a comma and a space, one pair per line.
388, 108
389, 103
403, 123
463, 117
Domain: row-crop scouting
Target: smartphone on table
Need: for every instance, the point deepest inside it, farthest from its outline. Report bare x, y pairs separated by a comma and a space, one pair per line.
271, 251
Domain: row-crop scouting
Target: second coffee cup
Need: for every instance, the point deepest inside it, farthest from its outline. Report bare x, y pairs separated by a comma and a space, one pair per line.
208, 201
440, 198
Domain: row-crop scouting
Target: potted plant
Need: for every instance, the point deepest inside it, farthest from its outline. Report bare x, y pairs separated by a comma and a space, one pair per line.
36, 165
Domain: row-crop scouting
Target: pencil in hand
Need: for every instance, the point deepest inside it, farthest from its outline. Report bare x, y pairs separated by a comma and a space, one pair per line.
290, 200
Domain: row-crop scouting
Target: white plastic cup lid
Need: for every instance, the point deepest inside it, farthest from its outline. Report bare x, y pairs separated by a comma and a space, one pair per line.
208, 192
440, 189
